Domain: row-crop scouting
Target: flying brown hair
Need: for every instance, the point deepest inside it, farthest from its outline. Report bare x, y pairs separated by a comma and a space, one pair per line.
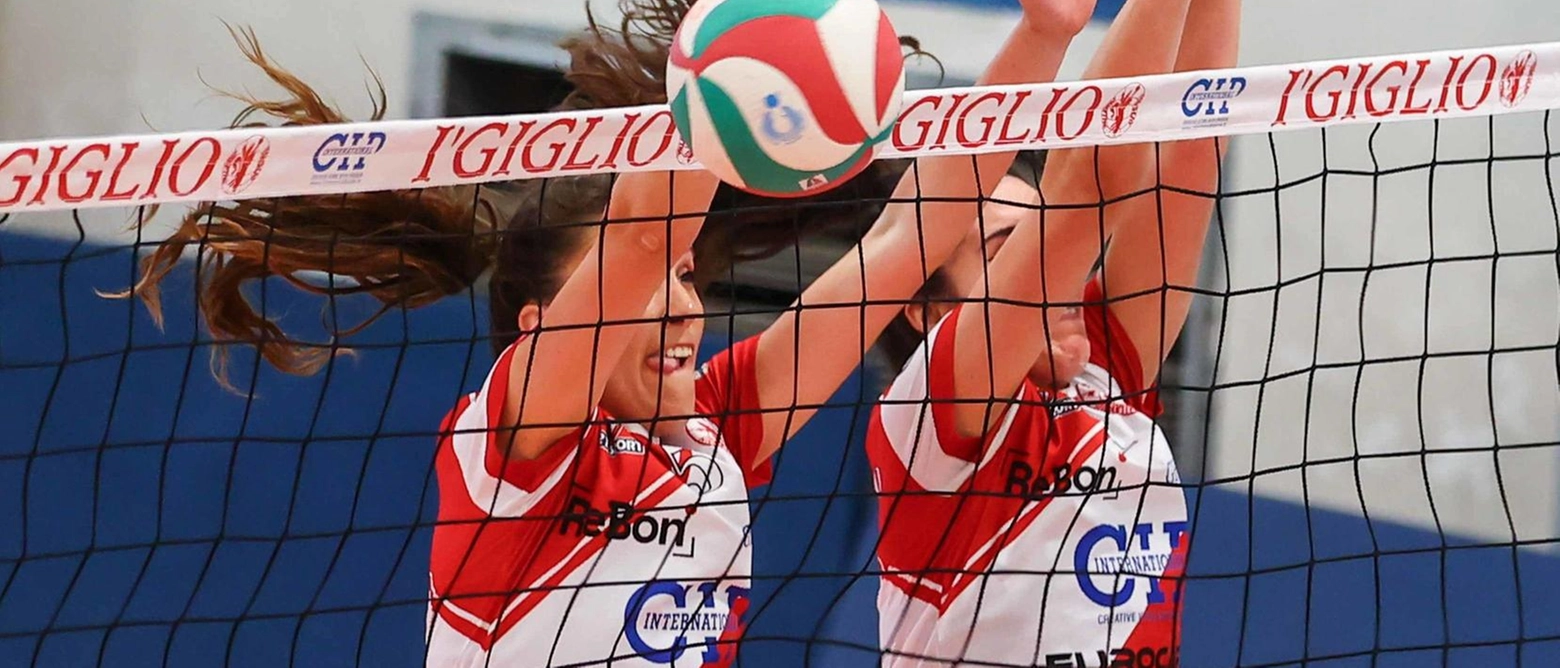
410, 248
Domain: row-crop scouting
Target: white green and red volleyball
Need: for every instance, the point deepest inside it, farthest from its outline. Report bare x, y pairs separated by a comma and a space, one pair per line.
785, 98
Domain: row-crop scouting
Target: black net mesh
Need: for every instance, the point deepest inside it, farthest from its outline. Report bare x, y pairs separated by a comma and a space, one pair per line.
1364, 408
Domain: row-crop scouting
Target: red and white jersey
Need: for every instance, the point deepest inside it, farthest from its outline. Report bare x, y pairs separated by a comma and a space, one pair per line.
613, 547
1056, 540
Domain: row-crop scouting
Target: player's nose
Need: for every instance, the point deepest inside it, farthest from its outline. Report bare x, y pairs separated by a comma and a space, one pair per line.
682, 303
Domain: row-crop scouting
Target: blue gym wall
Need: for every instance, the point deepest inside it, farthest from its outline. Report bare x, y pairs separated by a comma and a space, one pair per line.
136, 494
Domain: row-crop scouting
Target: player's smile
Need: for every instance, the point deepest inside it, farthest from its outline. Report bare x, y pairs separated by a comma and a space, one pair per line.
672, 359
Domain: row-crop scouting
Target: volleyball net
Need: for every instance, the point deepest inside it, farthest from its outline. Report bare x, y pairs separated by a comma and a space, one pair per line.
1365, 403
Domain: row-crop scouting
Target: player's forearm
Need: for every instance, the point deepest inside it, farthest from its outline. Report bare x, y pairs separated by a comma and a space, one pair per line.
660, 212
1000, 332
1144, 39
558, 376
1159, 248
1031, 54
1211, 39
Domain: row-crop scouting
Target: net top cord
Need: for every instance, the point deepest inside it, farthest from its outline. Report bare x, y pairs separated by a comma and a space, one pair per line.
236, 164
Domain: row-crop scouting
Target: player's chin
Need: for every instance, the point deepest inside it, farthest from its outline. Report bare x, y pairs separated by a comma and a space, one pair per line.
1065, 363
1073, 351
671, 393
676, 404
1073, 363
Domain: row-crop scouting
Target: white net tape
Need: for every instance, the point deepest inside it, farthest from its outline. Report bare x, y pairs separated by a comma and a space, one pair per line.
245, 163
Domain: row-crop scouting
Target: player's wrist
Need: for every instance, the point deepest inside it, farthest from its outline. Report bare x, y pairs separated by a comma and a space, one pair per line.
1048, 28
1033, 53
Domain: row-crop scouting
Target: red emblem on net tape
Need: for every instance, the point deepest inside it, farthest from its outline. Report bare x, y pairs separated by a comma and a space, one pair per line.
244, 166
1122, 110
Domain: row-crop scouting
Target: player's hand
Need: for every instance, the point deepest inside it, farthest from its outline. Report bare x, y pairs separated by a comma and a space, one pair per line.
1066, 17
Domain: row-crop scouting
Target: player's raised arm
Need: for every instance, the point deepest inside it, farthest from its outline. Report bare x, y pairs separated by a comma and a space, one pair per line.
806, 354
559, 374
1158, 244
1000, 337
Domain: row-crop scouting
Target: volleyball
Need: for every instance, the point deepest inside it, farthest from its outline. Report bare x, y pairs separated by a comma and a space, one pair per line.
785, 98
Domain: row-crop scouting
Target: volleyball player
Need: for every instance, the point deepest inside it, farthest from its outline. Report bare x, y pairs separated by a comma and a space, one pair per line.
593, 504
1029, 504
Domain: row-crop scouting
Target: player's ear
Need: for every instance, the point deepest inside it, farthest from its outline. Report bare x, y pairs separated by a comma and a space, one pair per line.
529, 318
919, 316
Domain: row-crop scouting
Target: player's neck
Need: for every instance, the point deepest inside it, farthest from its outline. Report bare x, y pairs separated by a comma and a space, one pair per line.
673, 431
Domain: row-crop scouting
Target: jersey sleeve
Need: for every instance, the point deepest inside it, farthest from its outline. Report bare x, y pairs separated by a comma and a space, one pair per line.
1111, 348
727, 393
928, 380
916, 415
475, 469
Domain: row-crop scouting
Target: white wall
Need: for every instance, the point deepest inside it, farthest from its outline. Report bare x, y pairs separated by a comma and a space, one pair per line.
1408, 406
79, 67
1465, 403
117, 63
74, 67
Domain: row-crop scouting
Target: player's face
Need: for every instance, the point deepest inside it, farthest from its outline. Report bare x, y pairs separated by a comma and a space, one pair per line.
1064, 359
655, 376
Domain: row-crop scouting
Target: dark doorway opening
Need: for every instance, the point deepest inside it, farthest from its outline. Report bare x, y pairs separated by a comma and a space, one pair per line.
482, 87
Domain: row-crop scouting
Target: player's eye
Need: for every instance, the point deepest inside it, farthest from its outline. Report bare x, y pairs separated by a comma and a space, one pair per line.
683, 271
